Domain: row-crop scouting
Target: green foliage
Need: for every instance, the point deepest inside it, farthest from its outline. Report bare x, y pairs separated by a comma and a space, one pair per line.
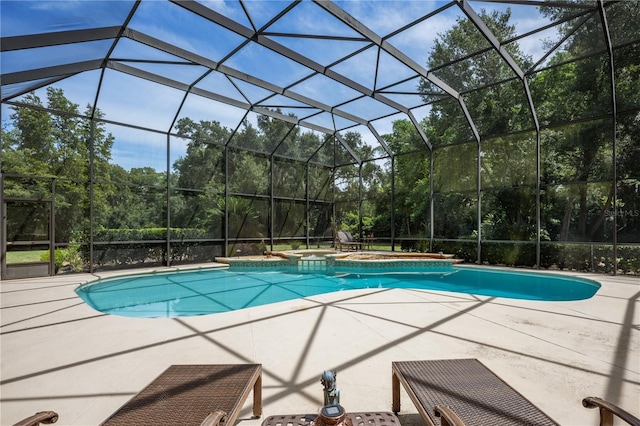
510, 254
55, 145
68, 259
130, 247
129, 254
147, 234
629, 259
467, 251
420, 245
495, 110
412, 181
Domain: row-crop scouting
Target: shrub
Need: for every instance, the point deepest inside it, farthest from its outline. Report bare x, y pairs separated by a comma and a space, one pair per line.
68, 259
629, 259
420, 245
148, 234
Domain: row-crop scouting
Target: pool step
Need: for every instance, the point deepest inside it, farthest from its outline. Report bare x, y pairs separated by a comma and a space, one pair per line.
312, 265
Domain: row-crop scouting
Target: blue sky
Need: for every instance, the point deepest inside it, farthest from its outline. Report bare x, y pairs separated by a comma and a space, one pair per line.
139, 102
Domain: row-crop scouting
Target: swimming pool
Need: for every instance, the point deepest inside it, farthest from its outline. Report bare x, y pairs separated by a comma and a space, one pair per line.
208, 291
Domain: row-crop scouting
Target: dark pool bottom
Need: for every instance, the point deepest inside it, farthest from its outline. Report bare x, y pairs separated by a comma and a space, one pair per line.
208, 291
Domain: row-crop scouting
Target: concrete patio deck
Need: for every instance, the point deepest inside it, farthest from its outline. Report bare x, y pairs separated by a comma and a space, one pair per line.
59, 354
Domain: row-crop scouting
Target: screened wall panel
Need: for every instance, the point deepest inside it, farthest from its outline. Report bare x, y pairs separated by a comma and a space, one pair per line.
628, 149
128, 255
376, 227
411, 195
591, 257
134, 213
197, 164
455, 215
509, 214
248, 173
577, 152
248, 218
28, 222
628, 212
347, 183
72, 218
500, 109
127, 149
452, 128
184, 253
347, 216
148, 105
509, 161
627, 78
289, 179
455, 168
290, 219
196, 215
46, 144
577, 212
27, 187
628, 259
510, 254
321, 225
467, 250
573, 91
320, 183
403, 219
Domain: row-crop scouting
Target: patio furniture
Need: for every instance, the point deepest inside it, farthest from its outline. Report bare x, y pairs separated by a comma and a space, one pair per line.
42, 417
369, 240
462, 391
608, 410
357, 419
346, 239
208, 394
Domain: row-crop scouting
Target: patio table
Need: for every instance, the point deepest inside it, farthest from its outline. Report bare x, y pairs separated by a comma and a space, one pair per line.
373, 418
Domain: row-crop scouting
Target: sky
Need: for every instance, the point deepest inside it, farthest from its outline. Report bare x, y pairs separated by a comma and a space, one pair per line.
127, 99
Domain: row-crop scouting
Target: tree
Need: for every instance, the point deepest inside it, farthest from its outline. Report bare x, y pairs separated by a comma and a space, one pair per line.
28, 146
497, 105
202, 168
495, 109
56, 145
579, 154
412, 180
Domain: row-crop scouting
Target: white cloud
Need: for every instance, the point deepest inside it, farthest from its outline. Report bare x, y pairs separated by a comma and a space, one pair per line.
198, 108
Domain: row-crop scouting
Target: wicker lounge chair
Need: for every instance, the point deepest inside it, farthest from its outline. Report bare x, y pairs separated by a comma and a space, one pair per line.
345, 239
211, 394
462, 391
43, 417
608, 410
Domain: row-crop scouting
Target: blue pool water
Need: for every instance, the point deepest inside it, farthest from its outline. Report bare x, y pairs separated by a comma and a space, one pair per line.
207, 291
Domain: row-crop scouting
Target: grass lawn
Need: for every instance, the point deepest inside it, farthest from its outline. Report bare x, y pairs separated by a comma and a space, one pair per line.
25, 256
